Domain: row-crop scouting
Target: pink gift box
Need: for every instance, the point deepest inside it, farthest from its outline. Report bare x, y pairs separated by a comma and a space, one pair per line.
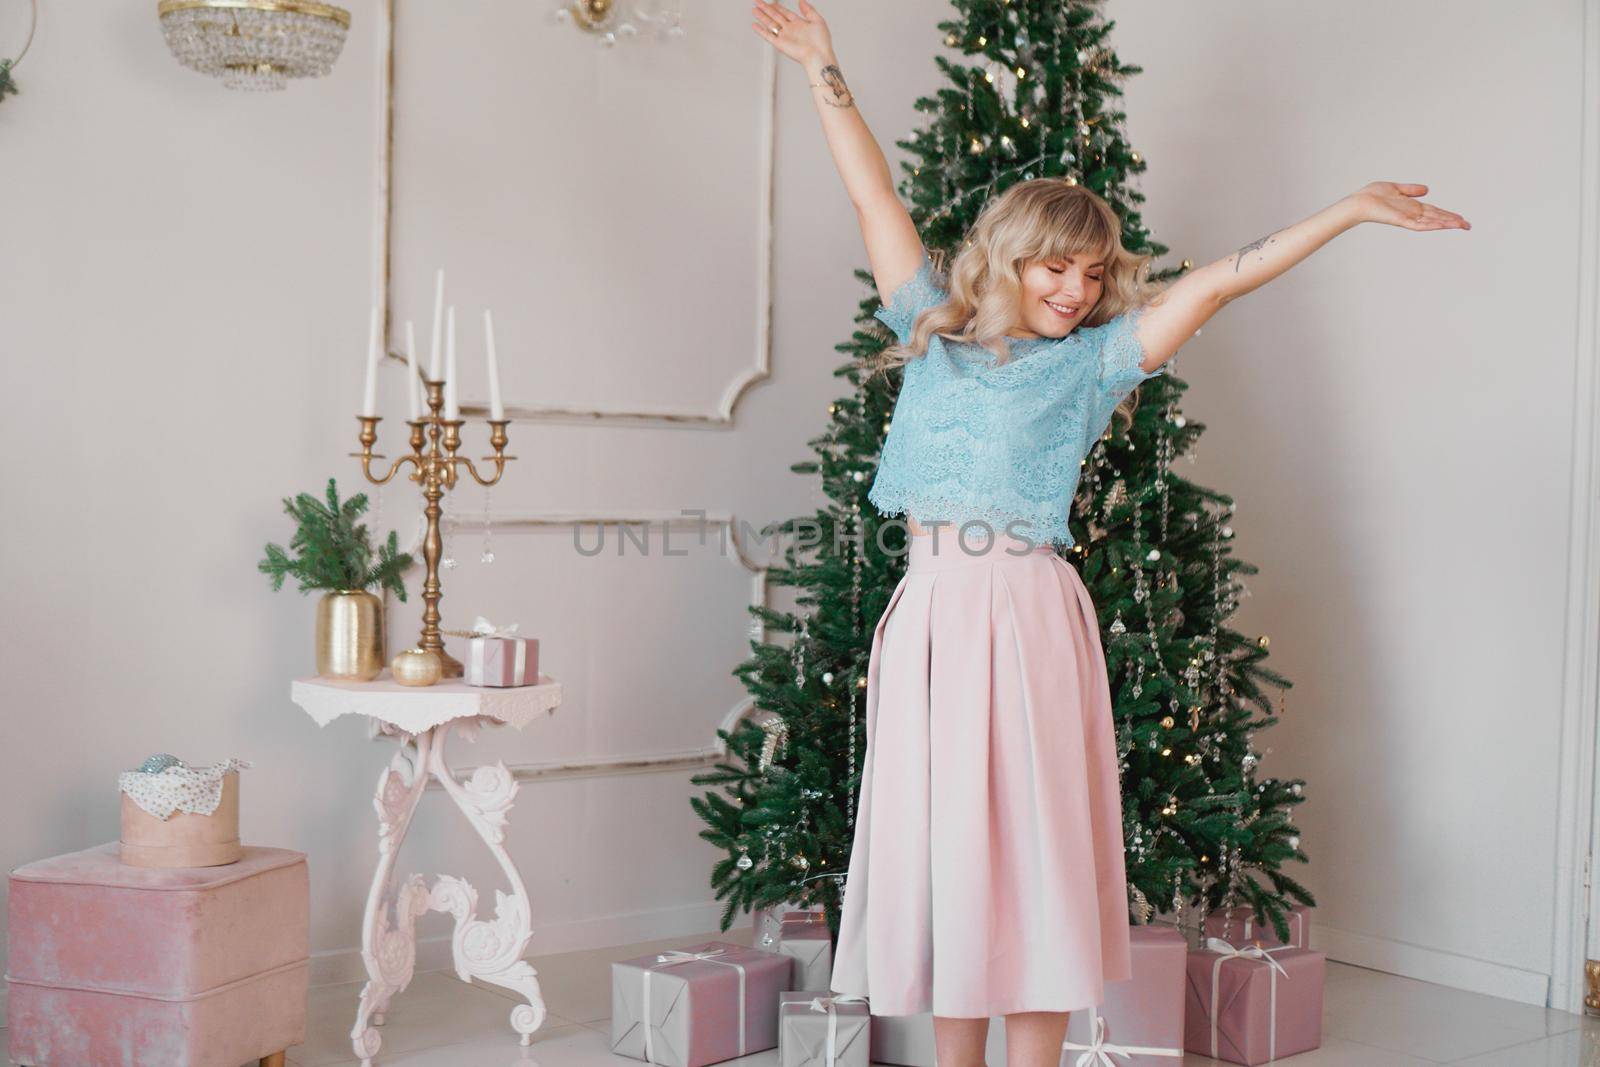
1140, 1021
677, 1010
1240, 1008
1239, 925
502, 661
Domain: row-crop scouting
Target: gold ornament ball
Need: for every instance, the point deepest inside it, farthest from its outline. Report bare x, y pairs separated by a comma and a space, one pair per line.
1167, 722
1262, 641
417, 666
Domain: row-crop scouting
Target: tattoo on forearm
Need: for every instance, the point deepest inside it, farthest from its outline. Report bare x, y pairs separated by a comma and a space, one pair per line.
1251, 247
833, 80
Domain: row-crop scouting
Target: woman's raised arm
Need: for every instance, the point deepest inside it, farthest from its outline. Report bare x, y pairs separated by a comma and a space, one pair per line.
894, 249
1191, 300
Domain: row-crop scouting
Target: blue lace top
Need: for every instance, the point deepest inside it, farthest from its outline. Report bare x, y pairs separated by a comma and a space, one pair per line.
972, 438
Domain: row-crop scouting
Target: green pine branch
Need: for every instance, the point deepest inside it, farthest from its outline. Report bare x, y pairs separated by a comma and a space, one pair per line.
331, 550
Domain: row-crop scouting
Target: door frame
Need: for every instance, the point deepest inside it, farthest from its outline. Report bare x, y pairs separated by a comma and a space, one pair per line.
1577, 893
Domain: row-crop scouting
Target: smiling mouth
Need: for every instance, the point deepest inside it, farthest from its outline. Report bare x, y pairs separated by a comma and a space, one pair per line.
1066, 311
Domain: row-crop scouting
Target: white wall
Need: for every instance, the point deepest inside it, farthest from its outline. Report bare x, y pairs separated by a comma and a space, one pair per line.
1393, 418
181, 316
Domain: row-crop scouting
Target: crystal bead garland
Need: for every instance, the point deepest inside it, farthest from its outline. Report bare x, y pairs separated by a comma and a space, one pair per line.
377, 518
856, 681
1164, 454
799, 656
487, 554
447, 529
1141, 592
254, 44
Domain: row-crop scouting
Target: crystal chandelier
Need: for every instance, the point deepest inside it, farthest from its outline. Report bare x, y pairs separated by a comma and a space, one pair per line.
602, 18
254, 44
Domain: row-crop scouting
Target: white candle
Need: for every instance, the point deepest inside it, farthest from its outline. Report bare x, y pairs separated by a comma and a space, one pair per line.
369, 397
413, 387
438, 324
451, 410
496, 410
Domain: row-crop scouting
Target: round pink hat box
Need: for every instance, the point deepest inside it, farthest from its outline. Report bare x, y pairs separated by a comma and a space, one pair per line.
183, 839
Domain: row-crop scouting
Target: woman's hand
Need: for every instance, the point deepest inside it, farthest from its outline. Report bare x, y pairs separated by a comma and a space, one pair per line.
1394, 203
802, 36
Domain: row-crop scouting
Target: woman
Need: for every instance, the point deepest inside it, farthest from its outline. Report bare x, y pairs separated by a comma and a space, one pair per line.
986, 876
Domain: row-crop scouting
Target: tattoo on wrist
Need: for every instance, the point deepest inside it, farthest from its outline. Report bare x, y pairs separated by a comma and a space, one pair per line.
1251, 247
833, 80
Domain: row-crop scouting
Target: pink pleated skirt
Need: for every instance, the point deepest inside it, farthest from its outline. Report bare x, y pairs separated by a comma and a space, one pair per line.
986, 874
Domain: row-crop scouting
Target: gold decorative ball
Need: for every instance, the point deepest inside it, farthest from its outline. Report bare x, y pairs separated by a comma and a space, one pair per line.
417, 666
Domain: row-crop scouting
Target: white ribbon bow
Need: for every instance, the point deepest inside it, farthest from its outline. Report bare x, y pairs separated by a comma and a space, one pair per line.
1098, 1052
671, 958
827, 1004
484, 628
1228, 952
678, 955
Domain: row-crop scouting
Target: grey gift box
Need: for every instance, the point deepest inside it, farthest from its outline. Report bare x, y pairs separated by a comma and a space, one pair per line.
679, 1011
804, 935
765, 921
803, 1031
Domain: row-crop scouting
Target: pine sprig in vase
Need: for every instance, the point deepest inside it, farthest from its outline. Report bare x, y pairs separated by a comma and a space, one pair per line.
332, 551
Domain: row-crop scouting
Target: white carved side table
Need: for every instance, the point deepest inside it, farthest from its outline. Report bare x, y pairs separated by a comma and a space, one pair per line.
422, 718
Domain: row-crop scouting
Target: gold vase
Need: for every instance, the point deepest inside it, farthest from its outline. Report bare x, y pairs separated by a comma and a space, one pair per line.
350, 635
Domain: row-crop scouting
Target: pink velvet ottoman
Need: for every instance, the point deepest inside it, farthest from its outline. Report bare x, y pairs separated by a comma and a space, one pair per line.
119, 966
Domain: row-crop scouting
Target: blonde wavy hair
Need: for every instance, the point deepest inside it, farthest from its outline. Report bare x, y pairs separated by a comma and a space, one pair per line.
1038, 219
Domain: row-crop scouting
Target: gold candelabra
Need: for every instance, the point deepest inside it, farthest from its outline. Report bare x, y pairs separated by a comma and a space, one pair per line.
434, 441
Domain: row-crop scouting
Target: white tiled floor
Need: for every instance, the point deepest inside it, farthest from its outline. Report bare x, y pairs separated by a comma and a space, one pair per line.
1370, 1019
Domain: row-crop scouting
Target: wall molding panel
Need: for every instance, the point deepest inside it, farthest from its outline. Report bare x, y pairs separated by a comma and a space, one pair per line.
717, 414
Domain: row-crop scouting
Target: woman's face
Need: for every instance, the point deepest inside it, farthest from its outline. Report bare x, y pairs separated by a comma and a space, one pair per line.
1057, 294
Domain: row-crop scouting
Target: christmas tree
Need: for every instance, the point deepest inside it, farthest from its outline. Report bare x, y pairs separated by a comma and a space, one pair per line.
1033, 95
